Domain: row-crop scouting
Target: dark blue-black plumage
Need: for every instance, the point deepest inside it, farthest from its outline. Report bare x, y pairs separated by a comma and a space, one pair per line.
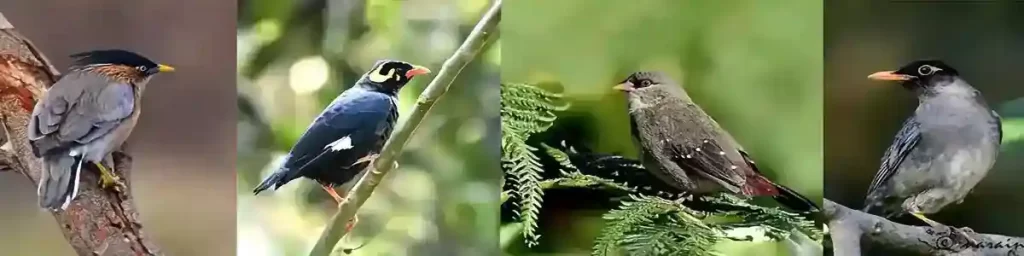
343, 138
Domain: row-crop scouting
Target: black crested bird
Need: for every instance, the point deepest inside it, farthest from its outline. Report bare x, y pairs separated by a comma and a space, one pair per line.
86, 115
943, 150
687, 149
348, 135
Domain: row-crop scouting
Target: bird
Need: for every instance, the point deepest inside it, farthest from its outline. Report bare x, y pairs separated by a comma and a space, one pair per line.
942, 151
84, 116
350, 132
686, 148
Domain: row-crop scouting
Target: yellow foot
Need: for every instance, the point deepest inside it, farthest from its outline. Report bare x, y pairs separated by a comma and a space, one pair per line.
108, 179
962, 232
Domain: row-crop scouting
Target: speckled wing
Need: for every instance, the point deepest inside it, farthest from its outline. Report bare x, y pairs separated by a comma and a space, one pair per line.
77, 110
686, 142
905, 141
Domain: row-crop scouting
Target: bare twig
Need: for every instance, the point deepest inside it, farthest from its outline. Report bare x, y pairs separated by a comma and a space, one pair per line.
437, 88
98, 222
850, 228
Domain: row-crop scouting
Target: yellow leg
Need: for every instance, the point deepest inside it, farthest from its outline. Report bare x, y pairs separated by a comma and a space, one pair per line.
930, 222
107, 178
935, 224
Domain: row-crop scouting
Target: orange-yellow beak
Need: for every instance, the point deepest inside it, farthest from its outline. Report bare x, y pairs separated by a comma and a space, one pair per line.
889, 76
416, 70
626, 87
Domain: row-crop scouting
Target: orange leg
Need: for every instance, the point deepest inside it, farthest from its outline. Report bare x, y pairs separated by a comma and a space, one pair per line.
338, 198
334, 194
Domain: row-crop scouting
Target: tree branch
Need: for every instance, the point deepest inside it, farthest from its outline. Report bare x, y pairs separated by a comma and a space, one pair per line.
383, 164
98, 221
850, 227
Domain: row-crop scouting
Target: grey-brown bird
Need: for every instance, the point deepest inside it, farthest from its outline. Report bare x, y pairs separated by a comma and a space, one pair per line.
687, 149
84, 116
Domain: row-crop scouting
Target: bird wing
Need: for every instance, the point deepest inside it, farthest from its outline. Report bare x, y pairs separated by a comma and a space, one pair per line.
905, 141
353, 126
78, 109
710, 159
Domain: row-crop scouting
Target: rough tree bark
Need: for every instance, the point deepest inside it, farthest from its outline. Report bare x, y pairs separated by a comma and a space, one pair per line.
851, 228
98, 222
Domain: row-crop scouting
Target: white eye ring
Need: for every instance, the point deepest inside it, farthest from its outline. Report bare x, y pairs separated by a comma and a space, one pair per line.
927, 70
141, 68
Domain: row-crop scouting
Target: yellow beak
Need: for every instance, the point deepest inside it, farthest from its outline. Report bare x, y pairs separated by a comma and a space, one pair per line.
164, 68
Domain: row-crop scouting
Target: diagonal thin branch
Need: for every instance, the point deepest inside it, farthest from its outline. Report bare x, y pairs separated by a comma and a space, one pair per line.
466, 53
850, 228
98, 221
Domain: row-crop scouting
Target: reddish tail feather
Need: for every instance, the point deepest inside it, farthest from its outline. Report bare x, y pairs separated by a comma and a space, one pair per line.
758, 185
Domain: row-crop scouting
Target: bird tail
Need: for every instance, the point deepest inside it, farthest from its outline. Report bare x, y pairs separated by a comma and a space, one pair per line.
276, 179
59, 182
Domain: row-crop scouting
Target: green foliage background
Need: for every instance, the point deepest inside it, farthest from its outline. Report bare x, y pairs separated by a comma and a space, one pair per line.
753, 65
441, 201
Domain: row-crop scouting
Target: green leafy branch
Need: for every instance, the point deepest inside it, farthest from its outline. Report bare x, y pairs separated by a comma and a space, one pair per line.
525, 110
648, 221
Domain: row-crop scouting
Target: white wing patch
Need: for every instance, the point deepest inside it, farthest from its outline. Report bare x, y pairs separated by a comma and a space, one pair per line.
340, 144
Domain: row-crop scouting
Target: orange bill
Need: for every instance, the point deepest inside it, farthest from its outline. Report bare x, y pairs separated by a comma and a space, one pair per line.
889, 76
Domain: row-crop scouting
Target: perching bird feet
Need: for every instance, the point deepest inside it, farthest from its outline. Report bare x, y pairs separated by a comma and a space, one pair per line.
961, 232
108, 179
341, 200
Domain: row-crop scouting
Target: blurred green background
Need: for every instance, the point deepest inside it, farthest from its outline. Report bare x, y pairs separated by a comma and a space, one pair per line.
753, 65
296, 56
984, 40
183, 174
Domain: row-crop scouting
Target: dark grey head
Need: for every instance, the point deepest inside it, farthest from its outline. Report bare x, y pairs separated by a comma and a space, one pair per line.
919, 75
118, 63
643, 80
647, 88
389, 76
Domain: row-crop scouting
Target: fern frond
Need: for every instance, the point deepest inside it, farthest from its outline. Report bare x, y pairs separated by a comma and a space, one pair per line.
647, 225
525, 110
777, 224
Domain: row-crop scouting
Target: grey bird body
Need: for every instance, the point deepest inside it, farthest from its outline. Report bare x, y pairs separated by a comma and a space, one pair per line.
84, 117
684, 146
941, 153
662, 137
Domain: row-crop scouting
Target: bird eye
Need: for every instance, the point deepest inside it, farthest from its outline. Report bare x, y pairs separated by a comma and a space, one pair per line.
645, 83
141, 68
926, 70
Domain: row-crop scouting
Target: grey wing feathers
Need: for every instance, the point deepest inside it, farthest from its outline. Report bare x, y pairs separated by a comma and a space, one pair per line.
709, 158
79, 109
902, 145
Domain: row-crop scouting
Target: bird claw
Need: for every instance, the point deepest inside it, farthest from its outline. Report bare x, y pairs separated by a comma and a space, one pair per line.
110, 180
963, 232
368, 158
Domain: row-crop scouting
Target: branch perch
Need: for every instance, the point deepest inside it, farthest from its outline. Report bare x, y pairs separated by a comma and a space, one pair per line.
98, 222
849, 227
451, 68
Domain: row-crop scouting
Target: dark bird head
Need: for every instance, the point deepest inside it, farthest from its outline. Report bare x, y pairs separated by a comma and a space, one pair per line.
919, 75
389, 76
645, 88
120, 64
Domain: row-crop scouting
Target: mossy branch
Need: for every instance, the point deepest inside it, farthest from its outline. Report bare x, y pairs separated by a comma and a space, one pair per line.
484, 30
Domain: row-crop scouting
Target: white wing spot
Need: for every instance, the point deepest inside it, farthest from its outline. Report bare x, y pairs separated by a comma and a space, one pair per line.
721, 153
732, 167
697, 149
340, 144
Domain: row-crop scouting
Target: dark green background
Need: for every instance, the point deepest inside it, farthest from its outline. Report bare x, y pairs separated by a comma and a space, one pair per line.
984, 40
